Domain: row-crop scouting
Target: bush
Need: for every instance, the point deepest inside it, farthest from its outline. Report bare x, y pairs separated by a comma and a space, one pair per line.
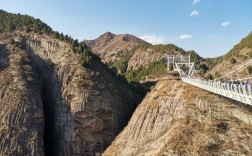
250, 54
249, 69
203, 68
12, 41
232, 60
171, 67
209, 76
217, 75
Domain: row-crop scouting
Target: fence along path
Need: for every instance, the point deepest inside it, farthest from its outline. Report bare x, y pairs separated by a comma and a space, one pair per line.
236, 88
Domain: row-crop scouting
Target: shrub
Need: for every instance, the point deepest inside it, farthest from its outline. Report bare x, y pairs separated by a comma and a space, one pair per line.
217, 75
12, 41
209, 76
232, 60
250, 54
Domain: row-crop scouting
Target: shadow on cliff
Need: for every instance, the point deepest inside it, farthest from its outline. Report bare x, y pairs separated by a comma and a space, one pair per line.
4, 59
52, 97
57, 110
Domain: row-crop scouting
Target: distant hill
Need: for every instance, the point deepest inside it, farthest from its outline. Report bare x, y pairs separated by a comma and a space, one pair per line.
237, 56
111, 47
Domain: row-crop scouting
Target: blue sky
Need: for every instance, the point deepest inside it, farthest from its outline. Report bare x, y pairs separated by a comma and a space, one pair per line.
210, 27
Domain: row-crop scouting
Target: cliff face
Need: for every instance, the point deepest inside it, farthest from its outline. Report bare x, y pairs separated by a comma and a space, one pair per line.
111, 47
179, 119
84, 109
21, 109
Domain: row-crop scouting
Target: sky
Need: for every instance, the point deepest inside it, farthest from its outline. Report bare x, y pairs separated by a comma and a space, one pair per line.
210, 27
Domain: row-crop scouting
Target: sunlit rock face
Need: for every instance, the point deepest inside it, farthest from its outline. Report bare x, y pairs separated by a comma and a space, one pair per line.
21, 107
179, 119
76, 110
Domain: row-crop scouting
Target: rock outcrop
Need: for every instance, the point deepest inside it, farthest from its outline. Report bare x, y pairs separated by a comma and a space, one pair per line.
49, 101
179, 119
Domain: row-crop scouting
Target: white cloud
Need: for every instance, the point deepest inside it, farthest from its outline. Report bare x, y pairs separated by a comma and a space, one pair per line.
194, 13
185, 37
225, 24
196, 1
153, 39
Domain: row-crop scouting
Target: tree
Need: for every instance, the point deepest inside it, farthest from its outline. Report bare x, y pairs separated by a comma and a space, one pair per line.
203, 68
28, 29
170, 67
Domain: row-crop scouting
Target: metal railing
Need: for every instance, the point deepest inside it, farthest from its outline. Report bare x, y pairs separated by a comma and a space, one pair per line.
237, 92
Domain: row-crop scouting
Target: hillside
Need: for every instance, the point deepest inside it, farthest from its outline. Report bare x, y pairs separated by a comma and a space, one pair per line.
147, 60
178, 119
56, 97
133, 58
237, 56
111, 47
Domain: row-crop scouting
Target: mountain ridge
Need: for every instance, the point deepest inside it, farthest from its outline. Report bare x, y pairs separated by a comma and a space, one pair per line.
111, 47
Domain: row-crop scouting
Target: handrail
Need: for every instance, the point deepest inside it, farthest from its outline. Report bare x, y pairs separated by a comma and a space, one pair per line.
234, 91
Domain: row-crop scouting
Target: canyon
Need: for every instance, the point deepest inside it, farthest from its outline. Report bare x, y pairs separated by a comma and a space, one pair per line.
51, 105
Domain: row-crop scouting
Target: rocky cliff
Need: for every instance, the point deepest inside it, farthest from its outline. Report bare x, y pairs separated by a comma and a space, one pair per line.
179, 119
50, 103
21, 106
111, 47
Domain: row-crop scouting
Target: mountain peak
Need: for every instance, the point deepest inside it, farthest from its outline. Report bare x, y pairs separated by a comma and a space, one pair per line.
107, 36
111, 47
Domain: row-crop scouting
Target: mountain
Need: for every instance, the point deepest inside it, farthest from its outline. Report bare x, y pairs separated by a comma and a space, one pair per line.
56, 97
134, 58
237, 56
111, 47
179, 119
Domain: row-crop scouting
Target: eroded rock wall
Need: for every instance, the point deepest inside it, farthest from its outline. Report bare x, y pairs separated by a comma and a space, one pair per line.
179, 119
21, 109
86, 108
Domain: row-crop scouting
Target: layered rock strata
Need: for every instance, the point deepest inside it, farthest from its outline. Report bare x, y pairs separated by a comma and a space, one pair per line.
179, 119
21, 108
76, 110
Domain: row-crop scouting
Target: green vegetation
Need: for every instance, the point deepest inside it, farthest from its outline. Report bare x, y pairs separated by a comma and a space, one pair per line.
121, 66
203, 68
217, 75
209, 76
248, 70
195, 57
211, 62
170, 68
250, 54
12, 41
153, 68
11, 22
245, 43
232, 60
